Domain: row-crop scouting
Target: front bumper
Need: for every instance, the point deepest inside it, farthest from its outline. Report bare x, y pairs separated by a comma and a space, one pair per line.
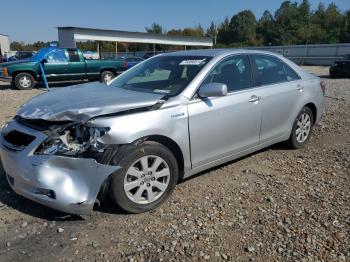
63, 183
6, 78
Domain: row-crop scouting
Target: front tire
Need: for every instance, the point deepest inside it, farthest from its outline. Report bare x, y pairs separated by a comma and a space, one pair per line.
24, 81
107, 76
302, 129
148, 175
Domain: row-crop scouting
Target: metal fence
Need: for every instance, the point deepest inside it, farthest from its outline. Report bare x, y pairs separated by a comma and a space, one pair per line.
315, 54
318, 54
112, 55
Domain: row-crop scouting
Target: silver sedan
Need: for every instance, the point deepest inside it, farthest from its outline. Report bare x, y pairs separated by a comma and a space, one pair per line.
165, 119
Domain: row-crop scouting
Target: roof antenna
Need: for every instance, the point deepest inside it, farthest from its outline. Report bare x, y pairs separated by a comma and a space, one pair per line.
43, 73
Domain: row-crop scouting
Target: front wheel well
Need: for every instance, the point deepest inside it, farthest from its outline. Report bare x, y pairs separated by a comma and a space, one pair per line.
123, 149
108, 69
14, 74
313, 110
173, 147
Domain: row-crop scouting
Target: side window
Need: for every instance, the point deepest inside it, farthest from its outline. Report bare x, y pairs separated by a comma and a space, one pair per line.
57, 56
234, 72
291, 75
270, 70
73, 56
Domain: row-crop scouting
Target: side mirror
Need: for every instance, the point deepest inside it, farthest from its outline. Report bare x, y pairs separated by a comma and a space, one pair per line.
212, 90
43, 61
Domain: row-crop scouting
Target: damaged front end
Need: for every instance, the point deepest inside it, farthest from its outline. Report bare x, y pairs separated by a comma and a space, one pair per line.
73, 140
62, 165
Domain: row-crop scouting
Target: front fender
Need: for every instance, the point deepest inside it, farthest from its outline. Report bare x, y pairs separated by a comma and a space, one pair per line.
169, 122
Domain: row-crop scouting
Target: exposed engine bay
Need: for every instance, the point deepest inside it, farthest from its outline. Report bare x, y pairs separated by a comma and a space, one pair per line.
73, 140
70, 139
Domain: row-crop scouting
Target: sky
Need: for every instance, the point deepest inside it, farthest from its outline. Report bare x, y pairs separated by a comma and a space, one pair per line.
31, 21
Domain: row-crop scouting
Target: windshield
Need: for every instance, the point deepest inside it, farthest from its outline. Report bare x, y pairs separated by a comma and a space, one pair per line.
167, 75
52, 54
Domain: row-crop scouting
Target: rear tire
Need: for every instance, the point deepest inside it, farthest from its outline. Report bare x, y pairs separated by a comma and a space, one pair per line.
106, 76
147, 178
24, 81
302, 129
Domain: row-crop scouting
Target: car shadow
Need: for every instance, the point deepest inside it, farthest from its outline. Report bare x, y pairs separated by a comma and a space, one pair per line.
109, 207
10, 199
338, 77
7, 86
275, 147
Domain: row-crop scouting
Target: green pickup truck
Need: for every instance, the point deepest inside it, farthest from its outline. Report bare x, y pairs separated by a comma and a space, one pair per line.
59, 64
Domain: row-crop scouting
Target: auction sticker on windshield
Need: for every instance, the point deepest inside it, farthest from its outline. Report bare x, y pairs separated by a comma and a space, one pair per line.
192, 62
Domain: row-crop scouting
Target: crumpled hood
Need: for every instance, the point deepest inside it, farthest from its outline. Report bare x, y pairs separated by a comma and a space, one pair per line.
82, 102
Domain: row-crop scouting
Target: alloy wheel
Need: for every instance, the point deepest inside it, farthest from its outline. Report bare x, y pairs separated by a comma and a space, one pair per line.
303, 127
147, 179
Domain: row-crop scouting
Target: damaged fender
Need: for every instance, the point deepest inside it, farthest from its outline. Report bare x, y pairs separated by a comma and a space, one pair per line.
65, 183
72, 182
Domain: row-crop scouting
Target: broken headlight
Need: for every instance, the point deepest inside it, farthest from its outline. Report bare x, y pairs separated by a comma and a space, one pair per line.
73, 140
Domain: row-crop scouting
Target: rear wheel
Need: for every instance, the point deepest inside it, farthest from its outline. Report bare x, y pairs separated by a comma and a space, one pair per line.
24, 81
107, 76
302, 129
148, 176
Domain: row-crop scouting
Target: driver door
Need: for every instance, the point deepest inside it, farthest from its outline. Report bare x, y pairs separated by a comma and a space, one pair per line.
56, 67
220, 127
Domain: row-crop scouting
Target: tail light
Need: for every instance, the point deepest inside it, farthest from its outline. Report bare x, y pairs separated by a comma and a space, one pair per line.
125, 64
323, 87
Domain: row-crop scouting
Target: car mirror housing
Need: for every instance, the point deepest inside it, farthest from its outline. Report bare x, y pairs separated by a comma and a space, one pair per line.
213, 90
43, 61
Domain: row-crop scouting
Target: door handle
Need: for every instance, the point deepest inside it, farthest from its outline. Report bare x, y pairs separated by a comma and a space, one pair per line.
300, 88
254, 98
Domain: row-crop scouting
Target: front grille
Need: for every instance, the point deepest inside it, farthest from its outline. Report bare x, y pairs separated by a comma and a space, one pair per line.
18, 139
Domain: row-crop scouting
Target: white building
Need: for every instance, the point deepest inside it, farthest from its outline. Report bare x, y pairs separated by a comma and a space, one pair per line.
67, 37
4, 44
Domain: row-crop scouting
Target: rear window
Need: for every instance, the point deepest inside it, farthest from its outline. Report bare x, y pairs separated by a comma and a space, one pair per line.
271, 70
73, 56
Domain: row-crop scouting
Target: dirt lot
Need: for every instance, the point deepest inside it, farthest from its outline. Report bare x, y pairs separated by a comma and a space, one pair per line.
274, 205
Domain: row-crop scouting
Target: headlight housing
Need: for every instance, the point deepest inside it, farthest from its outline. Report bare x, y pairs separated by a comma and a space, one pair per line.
73, 140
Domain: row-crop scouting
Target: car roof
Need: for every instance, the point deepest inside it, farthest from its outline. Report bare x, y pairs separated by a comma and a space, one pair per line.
217, 52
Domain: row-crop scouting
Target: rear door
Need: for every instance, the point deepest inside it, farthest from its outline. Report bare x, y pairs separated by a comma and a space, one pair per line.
222, 126
280, 88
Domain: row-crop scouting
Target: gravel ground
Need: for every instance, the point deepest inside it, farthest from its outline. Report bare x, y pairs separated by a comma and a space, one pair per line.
274, 205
